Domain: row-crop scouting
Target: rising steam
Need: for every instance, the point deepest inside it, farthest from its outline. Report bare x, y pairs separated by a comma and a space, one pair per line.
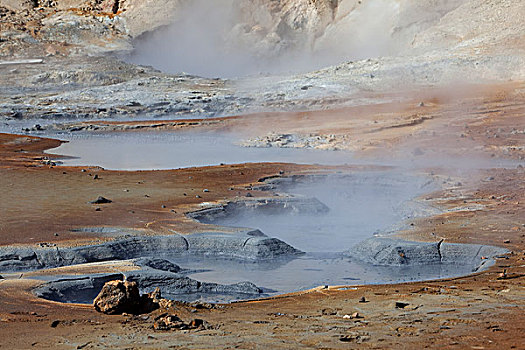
231, 38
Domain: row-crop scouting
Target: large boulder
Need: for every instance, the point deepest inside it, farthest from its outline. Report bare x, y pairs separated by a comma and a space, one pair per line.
117, 297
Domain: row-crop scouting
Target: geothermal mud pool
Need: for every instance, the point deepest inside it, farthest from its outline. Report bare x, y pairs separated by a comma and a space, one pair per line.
322, 225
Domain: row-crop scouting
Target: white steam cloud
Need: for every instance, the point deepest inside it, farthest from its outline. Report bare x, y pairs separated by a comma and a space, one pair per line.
231, 38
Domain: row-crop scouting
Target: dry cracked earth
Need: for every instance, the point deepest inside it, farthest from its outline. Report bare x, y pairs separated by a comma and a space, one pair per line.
447, 102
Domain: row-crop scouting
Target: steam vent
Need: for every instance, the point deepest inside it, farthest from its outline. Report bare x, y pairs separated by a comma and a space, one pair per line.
262, 174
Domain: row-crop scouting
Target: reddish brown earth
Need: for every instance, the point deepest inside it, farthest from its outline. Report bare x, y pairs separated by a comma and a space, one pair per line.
481, 311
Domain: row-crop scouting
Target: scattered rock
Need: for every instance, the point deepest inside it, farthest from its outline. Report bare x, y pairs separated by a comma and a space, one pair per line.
328, 312
117, 297
55, 323
167, 322
357, 337
363, 300
401, 305
101, 200
202, 306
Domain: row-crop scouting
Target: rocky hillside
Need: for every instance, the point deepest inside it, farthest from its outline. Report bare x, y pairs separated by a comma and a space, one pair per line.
342, 28
361, 46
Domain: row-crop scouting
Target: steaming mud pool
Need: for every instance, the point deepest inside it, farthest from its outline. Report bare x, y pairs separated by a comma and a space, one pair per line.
327, 240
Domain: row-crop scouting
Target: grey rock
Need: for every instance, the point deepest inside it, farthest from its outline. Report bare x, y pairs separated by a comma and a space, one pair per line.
385, 251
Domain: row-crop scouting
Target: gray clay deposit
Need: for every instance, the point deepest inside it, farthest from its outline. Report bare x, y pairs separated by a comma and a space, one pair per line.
248, 245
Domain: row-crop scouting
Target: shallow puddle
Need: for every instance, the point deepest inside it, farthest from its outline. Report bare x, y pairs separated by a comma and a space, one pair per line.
153, 151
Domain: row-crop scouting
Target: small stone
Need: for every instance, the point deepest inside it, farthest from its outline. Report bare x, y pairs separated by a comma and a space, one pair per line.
101, 200
401, 305
56, 234
506, 241
98, 209
197, 196
205, 190
95, 177
55, 323
197, 323
363, 300
168, 322
249, 194
163, 206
